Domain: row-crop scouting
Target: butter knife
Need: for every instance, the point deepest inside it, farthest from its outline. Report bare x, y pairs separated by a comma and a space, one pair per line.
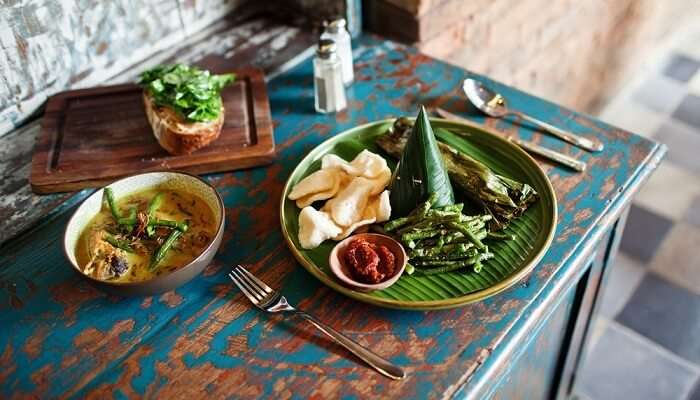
530, 147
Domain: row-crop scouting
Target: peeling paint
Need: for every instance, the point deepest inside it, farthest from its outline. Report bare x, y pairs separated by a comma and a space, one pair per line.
207, 340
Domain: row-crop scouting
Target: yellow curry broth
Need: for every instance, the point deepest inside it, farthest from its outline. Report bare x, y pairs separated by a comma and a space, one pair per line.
176, 206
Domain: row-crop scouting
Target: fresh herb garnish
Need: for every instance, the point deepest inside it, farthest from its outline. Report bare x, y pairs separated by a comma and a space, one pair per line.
191, 92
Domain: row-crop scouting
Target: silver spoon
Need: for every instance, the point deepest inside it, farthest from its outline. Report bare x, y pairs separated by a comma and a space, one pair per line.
494, 105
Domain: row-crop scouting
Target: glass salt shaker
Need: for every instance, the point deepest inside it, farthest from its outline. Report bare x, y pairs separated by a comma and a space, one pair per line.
329, 92
336, 31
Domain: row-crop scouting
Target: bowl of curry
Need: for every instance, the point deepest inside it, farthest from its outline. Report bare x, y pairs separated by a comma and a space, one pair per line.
147, 233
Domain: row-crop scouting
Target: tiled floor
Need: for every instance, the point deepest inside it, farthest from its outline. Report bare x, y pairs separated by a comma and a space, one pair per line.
646, 342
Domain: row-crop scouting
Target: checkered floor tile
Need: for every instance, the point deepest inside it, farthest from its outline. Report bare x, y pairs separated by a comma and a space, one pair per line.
648, 344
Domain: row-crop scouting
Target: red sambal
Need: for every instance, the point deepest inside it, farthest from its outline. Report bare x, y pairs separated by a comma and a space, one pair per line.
369, 262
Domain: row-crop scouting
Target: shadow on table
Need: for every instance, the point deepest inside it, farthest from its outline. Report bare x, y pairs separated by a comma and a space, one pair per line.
293, 93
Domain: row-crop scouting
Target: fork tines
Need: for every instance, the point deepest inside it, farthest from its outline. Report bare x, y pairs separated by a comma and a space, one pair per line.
254, 289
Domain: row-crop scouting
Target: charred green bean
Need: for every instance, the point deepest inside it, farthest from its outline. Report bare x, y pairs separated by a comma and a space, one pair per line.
180, 226
153, 206
447, 267
109, 195
159, 255
500, 236
130, 220
469, 234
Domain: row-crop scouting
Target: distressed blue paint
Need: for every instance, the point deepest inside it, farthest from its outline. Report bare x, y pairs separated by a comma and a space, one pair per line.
530, 375
391, 80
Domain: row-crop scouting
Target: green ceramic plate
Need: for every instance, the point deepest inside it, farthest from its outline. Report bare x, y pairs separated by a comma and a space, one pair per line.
514, 259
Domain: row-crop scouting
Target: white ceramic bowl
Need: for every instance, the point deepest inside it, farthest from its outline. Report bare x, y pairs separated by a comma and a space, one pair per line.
170, 180
342, 271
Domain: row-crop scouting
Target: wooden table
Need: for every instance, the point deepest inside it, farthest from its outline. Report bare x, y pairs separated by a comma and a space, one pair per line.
62, 338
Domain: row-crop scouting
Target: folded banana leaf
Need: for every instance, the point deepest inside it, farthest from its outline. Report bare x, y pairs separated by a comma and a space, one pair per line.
502, 197
421, 171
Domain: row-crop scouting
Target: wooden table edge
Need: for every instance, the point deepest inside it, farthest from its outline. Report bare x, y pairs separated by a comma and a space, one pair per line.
478, 377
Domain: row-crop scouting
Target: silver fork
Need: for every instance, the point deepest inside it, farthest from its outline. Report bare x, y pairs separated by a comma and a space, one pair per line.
270, 300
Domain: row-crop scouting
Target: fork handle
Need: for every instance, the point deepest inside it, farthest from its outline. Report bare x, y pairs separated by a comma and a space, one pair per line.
382, 366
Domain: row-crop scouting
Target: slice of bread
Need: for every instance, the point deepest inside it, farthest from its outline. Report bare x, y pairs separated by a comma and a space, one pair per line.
176, 135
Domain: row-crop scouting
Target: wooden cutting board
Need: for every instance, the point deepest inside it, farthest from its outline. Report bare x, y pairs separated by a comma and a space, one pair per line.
91, 137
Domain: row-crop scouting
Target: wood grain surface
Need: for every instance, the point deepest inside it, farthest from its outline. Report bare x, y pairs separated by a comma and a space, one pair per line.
60, 337
93, 136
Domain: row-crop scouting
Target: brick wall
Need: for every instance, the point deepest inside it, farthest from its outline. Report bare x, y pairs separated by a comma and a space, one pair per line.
570, 51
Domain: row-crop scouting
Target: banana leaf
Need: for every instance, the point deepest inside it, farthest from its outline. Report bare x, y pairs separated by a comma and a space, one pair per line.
501, 197
421, 171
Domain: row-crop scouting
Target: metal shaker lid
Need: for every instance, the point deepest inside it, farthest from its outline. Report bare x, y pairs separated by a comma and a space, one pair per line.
326, 47
335, 25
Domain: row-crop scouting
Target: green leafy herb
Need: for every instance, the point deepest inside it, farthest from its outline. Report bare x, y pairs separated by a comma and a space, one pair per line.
191, 92
421, 172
